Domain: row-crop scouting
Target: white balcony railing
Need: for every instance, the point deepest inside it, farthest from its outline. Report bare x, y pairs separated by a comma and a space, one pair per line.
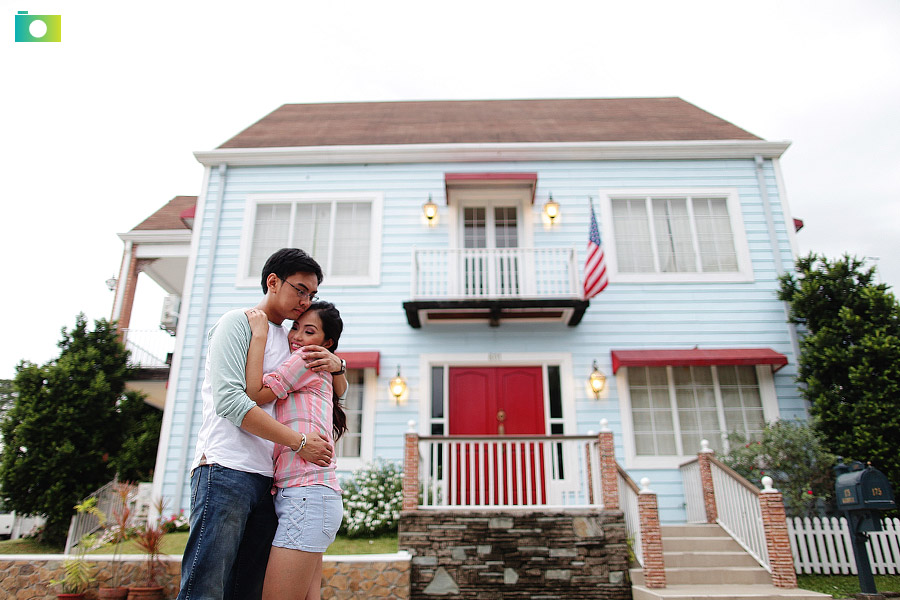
479, 273
150, 348
509, 471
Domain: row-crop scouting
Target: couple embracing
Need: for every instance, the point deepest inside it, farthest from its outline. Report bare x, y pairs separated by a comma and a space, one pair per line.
265, 499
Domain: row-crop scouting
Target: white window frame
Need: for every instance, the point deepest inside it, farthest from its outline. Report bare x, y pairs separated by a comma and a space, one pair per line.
738, 232
489, 197
367, 443
632, 461
254, 200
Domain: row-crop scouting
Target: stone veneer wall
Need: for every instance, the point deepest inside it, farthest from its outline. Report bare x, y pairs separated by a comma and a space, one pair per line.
533, 554
25, 576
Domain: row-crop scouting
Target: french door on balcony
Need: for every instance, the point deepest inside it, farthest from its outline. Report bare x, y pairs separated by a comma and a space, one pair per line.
497, 401
490, 265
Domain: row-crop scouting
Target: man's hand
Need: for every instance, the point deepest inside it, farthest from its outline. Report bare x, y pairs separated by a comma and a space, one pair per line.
318, 449
320, 359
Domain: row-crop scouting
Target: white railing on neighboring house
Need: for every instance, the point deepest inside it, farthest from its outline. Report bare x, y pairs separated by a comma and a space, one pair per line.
737, 502
149, 348
480, 273
509, 471
628, 503
693, 492
823, 546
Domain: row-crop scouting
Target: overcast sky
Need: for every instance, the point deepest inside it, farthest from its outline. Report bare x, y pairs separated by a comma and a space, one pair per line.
98, 130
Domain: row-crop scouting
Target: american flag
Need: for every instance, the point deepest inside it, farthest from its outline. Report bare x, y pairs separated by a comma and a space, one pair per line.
595, 278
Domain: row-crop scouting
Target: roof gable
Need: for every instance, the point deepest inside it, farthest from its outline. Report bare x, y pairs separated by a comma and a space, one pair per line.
486, 121
169, 216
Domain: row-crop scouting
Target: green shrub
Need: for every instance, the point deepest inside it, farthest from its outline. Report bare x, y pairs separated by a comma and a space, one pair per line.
372, 500
792, 454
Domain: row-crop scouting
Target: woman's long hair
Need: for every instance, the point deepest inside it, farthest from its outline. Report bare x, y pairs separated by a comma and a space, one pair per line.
332, 327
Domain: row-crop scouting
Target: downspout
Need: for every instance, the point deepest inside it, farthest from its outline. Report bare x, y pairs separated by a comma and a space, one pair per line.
776, 247
204, 311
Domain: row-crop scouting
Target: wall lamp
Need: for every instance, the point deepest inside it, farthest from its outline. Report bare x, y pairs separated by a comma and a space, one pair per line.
597, 380
551, 208
430, 209
397, 386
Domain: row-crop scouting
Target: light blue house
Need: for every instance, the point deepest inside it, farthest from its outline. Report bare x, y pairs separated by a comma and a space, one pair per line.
480, 308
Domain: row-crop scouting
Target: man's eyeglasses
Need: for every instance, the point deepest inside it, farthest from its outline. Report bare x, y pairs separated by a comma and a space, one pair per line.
301, 293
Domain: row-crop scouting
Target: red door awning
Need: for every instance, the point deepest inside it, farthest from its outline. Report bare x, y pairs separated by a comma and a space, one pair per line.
697, 357
362, 360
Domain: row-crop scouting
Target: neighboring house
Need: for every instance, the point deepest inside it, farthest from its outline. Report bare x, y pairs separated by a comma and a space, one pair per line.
158, 247
480, 309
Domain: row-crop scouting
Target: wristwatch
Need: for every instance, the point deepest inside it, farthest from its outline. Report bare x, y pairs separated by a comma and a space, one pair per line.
343, 368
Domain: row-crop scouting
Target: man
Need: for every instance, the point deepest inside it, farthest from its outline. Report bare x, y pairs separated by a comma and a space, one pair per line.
232, 515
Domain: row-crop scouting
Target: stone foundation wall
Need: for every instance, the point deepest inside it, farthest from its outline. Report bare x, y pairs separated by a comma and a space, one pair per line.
539, 555
25, 576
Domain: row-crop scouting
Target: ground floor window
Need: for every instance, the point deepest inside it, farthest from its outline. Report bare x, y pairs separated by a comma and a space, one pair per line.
673, 408
350, 444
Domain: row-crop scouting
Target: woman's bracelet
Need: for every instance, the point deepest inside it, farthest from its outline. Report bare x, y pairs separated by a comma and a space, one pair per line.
302, 442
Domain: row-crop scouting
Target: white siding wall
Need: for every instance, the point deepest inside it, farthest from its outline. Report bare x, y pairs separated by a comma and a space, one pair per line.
624, 316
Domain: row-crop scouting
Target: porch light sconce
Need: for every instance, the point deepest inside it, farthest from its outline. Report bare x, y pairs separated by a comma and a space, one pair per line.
397, 386
551, 209
597, 380
111, 283
431, 210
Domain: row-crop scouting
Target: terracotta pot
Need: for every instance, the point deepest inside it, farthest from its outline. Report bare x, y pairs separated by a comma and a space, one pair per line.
145, 593
112, 593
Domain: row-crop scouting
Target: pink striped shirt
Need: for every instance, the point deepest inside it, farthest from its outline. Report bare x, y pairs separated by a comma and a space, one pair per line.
304, 403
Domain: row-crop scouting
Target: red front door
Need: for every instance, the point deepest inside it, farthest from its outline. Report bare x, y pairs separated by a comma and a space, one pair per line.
497, 401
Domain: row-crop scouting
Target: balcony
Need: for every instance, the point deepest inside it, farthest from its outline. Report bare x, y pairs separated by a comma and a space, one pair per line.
150, 357
479, 284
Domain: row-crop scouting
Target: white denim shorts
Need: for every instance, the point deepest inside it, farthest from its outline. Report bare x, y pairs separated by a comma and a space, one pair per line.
308, 517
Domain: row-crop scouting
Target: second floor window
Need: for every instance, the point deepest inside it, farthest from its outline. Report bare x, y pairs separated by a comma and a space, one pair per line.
674, 235
341, 232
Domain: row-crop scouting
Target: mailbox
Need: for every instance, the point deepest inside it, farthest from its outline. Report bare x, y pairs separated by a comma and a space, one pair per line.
863, 489
863, 492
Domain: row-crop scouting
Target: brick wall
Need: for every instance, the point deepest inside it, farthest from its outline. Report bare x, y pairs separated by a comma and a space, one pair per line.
540, 555
25, 577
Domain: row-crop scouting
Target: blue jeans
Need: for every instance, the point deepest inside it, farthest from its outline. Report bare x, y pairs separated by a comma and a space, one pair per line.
232, 525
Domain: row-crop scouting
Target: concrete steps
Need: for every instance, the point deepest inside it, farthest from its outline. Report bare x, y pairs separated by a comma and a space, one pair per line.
704, 563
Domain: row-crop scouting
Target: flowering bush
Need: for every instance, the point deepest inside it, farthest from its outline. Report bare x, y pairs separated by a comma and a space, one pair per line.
792, 454
175, 522
372, 499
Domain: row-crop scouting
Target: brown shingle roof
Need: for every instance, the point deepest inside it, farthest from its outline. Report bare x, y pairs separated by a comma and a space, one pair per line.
169, 216
486, 121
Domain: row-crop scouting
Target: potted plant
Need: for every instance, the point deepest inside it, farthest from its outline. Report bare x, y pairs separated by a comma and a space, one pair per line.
78, 573
116, 534
149, 538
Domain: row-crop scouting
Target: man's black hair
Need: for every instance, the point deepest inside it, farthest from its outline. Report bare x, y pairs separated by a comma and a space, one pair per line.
287, 262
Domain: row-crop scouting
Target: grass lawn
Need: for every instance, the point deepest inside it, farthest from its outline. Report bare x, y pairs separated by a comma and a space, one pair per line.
846, 586
173, 543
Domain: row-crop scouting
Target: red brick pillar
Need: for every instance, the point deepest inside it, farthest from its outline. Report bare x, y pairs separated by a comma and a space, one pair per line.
706, 482
411, 469
609, 474
651, 538
778, 542
128, 288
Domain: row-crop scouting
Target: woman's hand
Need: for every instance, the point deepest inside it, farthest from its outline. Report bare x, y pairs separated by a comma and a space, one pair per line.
319, 359
259, 322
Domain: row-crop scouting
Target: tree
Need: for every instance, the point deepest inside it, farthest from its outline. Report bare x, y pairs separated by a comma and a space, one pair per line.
849, 361
64, 432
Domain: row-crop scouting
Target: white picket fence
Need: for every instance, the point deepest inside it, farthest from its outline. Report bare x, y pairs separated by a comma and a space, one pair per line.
822, 545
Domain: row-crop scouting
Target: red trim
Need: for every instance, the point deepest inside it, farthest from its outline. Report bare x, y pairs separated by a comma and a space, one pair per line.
798, 224
697, 357
362, 360
188, 213
450, 178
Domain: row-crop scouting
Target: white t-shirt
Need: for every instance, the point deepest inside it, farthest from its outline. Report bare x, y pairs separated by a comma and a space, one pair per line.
220, 441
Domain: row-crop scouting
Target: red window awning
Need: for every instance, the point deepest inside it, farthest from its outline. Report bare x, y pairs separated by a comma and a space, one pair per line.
697, 357
362, 360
